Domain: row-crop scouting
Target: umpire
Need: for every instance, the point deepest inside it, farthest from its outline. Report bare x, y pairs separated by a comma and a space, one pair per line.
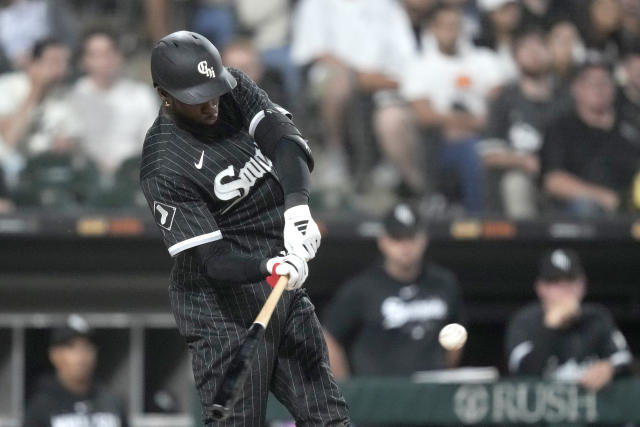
226, 175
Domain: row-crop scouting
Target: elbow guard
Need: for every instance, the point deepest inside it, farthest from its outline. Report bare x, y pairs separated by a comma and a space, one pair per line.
270, 126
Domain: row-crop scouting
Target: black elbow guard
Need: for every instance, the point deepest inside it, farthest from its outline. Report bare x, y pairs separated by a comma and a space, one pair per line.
270, 126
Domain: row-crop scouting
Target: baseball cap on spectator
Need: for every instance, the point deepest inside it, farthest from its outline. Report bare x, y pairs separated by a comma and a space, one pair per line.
74, 327
491, 5
403, 221
560, 264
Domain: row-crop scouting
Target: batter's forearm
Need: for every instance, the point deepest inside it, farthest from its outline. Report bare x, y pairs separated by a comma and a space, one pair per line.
223, 265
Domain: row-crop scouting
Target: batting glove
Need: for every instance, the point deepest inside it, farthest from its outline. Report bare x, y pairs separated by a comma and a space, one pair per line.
291, 265
301, 233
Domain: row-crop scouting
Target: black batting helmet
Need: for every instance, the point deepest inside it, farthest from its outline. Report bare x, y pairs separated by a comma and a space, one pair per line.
188, 66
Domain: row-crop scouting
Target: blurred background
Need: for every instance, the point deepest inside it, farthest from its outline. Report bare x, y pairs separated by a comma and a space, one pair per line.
512, 127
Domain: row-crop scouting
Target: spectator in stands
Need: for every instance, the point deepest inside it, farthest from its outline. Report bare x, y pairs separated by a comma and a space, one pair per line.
517, 121
32, 106
448, 88
561, 338
268, 22
347, 46
499, 21
470, 21
395, 128
386, 320
243, 55
72, 397
567, 51
214, 19
418, 13
158, 16
114, 111
545, 13
630, 23
628, 97
24, 22
600, 27
588, 162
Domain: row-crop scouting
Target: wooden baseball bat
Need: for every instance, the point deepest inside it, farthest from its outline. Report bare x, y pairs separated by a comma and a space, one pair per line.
231, 387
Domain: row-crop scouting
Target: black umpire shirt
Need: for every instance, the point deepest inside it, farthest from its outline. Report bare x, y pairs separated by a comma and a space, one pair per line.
209, 183
563, 354
391, 328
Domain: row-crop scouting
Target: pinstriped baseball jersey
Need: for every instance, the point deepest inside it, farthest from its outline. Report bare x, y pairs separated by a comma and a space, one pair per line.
205, 184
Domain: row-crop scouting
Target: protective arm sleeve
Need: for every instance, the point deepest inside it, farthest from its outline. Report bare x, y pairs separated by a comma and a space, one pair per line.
221, 264
279, 138
294, 174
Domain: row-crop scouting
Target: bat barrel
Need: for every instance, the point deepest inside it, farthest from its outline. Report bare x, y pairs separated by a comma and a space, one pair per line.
237, 372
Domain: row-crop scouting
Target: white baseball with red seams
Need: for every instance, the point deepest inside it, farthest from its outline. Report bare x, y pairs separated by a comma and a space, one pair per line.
453, 336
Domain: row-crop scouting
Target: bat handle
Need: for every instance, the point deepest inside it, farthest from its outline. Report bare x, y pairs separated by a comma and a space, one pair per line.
271, 302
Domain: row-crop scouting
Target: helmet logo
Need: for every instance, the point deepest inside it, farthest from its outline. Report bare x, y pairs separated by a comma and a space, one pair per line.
203, 68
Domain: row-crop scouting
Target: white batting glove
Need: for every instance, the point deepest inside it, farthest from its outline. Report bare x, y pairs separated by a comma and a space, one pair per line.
291, 265
301, 233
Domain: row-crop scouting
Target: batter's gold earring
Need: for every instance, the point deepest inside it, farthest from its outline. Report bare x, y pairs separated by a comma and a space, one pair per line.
166, 104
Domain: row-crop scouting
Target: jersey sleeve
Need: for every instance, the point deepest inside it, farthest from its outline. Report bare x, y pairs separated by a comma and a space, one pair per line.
250, 99
613, 344
528, 344
180, 213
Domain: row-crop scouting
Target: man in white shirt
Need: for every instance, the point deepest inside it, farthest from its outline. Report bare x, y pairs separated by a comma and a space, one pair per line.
349, 46
24, 22
448, 88
115, 112
33, 114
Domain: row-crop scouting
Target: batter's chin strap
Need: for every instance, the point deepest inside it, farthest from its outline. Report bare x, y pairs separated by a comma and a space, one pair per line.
270, 126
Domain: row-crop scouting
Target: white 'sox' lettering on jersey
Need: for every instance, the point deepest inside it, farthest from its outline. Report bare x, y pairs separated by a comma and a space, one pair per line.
247, 176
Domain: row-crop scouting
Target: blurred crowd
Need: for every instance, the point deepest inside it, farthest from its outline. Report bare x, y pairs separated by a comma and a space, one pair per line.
519, 108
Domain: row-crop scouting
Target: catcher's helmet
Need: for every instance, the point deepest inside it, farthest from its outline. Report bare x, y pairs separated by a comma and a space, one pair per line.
188, 66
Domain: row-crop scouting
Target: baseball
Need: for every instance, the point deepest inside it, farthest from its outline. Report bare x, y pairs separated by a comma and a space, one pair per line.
452, 336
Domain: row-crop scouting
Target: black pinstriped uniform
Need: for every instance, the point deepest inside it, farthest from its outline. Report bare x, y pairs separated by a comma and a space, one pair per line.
206, 185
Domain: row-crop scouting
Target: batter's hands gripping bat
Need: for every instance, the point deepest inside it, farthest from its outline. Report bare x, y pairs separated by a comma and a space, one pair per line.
231, 387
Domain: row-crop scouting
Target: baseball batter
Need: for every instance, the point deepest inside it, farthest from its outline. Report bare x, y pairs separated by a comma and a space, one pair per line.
226, 175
